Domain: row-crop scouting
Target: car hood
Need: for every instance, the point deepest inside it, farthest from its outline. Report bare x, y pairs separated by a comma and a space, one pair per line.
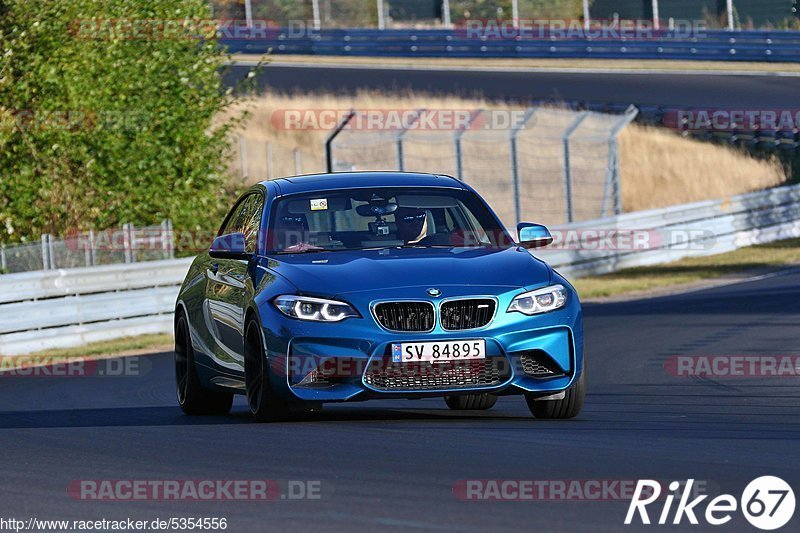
342, 272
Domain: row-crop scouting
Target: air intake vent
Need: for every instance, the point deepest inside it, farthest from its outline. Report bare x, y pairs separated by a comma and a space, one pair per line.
537, 365
405, 316
387, 375
467, 313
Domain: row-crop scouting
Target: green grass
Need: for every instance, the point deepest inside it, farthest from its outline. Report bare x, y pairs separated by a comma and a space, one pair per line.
107, 348
690, 270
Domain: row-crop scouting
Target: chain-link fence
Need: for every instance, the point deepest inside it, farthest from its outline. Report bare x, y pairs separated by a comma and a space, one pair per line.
259, 159
128, 244
550, 165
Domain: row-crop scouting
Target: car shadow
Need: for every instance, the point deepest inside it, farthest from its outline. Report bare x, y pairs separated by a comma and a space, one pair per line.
172, 416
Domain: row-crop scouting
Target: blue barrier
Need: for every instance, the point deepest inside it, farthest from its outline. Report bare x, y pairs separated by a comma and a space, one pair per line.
714, 45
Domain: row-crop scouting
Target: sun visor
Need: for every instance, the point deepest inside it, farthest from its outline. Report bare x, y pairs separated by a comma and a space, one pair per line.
425, 202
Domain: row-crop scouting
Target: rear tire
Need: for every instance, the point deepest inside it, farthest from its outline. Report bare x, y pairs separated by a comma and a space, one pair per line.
264, 404
192, 397
471, 402
568, 407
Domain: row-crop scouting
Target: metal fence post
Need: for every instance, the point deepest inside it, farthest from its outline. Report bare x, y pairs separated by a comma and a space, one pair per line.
164, 239
515, 162
298, 164
381, 21
399, 156
132, 229
92, 252
399, 141
87, 254
612, 186
315, 14
656, 22
248, 12
126, 242
3, 265
171, 239
270, 169
243, 156
45, 251
587, 20
515, 13
567, 170
457, 143
51, 252
332, 136
729, 10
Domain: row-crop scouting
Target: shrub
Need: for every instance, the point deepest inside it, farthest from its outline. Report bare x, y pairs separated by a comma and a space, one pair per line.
101, 124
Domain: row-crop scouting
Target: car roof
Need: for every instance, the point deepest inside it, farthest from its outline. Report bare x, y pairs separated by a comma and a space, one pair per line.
354, 180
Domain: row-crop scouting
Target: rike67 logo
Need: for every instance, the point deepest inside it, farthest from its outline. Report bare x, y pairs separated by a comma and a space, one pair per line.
767, 503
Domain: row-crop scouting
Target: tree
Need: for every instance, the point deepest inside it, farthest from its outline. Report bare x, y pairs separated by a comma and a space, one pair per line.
106, 116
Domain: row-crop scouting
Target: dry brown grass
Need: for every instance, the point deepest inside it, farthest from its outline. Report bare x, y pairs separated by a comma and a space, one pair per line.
658, 168
529, 63
265, 112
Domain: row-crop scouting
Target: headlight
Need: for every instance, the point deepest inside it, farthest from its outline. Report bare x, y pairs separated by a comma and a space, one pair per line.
540, 301
317, 309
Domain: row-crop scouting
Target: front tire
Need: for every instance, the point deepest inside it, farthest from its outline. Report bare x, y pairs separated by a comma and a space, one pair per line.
568, 407
192, 397
264, 404
471, 402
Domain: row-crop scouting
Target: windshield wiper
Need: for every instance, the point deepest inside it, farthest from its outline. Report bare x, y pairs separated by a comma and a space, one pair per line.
306, 251
425, 246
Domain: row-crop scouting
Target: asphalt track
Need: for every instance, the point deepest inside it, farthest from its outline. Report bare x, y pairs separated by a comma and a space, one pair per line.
683, 90
393, 464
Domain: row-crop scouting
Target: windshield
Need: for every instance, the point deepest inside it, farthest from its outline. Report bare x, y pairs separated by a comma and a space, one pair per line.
357, 219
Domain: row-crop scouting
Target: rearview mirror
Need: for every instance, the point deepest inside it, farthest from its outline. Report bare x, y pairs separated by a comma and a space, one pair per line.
533, 235
376, 210
229, 246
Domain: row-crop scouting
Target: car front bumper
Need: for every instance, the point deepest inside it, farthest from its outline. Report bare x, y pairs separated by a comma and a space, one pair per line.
333, 362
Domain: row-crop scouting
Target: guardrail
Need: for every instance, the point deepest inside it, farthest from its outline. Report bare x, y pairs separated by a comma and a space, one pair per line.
65, 308
72, 307
712, 45
672, 233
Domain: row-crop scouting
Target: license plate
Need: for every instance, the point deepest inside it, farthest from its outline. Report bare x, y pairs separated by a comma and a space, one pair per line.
439, 352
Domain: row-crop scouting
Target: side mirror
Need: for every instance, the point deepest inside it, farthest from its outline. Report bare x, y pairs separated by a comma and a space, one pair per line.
229, 246
533, 235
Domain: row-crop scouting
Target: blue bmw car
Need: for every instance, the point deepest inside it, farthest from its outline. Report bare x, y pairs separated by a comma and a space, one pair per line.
354, 286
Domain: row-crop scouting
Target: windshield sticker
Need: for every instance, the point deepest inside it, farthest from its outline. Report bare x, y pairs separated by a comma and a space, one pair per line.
319, 204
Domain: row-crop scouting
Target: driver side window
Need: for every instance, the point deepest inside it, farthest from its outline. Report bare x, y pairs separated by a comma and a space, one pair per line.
251, 222
232, 223
245, 218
